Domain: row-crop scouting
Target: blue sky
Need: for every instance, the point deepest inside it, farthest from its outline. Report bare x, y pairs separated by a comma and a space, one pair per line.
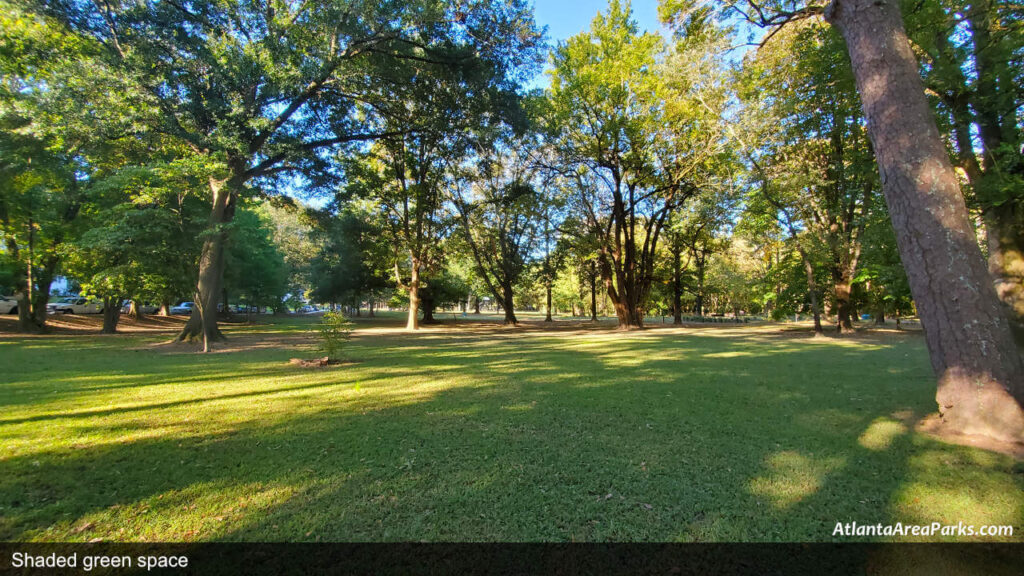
565, 18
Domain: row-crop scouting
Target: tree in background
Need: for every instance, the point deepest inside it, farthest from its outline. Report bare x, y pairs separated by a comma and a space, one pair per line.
257, 274
970, 55
979, 366
812, 146
352, 259
633, 139
262, 91
502, 214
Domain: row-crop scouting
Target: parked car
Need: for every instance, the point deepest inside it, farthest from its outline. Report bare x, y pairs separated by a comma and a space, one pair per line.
183, 308
142, 308
8, 305
74, 305
306, 310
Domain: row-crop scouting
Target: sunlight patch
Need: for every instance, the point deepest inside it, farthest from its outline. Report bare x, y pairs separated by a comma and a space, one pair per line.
880, 434
790, 477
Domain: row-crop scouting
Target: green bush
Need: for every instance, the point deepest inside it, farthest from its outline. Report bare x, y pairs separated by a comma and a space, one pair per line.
334, 332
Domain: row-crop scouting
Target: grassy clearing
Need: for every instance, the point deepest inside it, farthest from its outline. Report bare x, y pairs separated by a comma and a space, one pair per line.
481, 433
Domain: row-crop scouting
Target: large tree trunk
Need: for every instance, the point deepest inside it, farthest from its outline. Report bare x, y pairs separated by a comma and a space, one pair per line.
427, 304
979, 367
202, 325
41, 294
111, 315
413, 322
843, 306
508, 303
626, 309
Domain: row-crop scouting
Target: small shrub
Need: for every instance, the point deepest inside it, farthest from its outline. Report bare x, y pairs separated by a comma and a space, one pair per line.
333, 333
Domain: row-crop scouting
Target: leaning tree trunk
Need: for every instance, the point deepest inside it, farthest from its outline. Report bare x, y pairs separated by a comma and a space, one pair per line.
202, 325
980, 370
111, 315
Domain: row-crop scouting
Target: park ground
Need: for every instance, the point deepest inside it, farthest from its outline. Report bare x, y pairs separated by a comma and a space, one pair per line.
471, 431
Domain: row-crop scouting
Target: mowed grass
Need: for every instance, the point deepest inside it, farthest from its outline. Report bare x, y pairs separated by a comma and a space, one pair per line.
473, 432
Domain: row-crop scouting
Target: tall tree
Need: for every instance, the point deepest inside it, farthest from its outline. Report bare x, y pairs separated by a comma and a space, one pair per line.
980, 368
971, 53
813, 147
633, 140
267, 89
501, 213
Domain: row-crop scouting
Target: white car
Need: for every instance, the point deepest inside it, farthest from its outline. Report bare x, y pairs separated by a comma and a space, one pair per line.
8, 305
74, 305
183, 308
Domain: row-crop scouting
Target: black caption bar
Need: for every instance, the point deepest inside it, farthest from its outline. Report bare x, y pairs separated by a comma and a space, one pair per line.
251, 559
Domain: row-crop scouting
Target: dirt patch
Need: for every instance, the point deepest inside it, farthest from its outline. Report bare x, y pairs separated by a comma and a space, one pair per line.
93, 323
933, 427
319, 362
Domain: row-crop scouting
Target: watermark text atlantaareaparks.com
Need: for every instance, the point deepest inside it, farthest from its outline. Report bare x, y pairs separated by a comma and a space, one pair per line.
933, 529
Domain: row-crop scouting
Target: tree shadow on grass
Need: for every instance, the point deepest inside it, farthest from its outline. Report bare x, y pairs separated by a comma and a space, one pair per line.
661, 438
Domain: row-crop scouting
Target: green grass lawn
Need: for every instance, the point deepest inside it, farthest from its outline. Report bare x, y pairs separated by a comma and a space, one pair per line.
480, 433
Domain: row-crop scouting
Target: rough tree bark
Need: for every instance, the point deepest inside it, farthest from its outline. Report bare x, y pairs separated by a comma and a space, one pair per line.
979, 367
841, 282
111, 315
508, 303
413, 322
202, 325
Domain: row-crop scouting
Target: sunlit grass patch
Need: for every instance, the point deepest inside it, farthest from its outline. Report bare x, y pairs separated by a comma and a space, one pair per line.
478, 432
